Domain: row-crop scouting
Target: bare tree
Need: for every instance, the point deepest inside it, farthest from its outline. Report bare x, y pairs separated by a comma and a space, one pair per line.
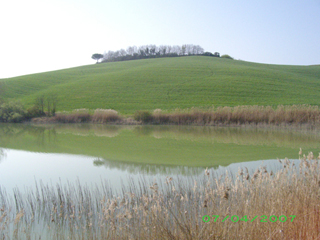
40, 104
189, 49
157, 51
130, 51
163, 49
54, 100
169, 49
177, 49
194, 50
142, 51
122, 52
109, 56
48, 106
135, 49
116, 54
51, 104
183, 49
152, 49
199, 50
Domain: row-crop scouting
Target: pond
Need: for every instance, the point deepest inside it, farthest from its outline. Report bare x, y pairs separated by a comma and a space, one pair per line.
92, 154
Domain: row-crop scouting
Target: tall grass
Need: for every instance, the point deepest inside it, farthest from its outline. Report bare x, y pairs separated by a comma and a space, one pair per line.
83, 116
173, 209
240, 115
105, 115
295, 114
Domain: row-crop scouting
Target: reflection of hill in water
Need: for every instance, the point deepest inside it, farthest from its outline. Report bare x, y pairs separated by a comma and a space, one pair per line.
289, 137
160, 145
98, 130
150, 169
293, 138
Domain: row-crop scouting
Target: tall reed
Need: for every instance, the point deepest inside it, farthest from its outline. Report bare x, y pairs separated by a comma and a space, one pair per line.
295, 114
173, 209
239, 115
83, 116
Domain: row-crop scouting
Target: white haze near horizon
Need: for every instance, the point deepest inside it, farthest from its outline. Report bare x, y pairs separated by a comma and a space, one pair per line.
45, 35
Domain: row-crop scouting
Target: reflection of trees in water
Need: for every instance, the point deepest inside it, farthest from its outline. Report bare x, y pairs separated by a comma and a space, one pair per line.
293, 138
42, 136
152, 169
281, 137
98, 130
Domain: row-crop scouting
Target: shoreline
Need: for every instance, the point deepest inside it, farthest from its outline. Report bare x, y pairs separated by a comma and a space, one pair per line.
293, 115
304, 126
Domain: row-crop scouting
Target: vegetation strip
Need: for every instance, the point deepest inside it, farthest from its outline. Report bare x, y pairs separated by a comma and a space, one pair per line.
296, 114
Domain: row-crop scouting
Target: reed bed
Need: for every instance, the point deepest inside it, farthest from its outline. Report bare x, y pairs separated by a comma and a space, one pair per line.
173, 209
221, 116
105, 115
295, 114
84, 116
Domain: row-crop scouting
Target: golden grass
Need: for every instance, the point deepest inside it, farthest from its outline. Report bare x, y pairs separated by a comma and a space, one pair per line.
174, 209
295, 114
105, 116
222, 116
83, 116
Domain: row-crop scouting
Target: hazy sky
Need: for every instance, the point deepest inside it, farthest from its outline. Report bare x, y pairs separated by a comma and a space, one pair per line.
43, 35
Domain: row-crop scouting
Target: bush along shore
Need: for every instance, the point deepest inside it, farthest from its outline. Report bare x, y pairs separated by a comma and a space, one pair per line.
239, 115
283, 204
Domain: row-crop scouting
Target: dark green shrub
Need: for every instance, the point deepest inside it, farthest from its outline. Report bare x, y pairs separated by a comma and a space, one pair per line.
210, 54
12, 112
33, 112
144, 116
226, 56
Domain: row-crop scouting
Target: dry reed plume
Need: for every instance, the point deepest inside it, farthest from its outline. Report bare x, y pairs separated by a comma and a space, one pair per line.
105, 115
82, 116
173, 209
240, 115
296, 114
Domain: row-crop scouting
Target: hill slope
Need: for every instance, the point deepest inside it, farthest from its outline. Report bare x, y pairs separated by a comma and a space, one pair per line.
170, 83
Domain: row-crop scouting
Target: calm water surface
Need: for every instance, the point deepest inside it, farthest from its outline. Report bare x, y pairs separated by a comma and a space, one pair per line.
94, 153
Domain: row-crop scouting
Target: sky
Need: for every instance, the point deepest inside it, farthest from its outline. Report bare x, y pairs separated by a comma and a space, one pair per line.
45, 35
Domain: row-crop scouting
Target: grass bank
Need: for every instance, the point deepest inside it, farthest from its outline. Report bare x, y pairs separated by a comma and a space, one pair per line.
259, 205
239, 115
168, 83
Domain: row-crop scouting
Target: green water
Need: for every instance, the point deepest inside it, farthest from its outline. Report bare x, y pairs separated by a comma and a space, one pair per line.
160, 145
54, 154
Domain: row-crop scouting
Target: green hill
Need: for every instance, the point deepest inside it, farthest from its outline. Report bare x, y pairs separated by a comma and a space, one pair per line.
169, 83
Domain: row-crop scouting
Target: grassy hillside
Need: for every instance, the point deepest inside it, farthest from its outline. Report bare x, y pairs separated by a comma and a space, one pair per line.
170, 83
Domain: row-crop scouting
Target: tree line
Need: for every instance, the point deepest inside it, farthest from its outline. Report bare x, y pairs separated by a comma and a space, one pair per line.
14, 111
152, 51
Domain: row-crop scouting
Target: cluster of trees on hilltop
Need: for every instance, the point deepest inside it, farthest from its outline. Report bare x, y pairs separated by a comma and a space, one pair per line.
152, 51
